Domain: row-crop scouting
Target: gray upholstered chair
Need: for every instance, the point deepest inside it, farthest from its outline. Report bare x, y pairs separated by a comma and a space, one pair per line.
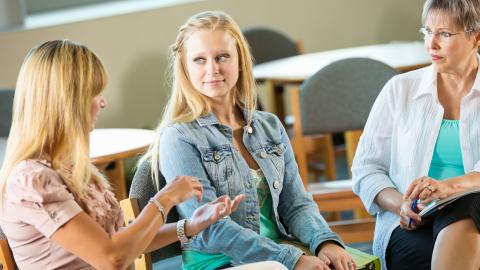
337, 98
6, 105
268, 44
143, 189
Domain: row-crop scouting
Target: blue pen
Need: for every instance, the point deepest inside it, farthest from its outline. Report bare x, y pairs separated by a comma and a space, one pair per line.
414, 209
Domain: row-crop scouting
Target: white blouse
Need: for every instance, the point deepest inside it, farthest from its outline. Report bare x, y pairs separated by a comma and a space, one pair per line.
397, 144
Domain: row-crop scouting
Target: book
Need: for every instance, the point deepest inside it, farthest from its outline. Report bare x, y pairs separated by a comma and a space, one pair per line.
364, 261
438, 204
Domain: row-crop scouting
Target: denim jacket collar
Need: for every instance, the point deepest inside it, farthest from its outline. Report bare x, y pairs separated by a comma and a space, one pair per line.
211, 119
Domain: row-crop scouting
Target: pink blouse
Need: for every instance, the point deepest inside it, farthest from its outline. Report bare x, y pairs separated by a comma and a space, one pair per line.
37, 203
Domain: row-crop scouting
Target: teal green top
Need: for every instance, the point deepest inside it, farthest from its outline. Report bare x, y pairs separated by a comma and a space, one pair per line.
194, 260
447, 159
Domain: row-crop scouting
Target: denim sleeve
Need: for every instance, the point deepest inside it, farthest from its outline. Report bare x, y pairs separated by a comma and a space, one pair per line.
299, 212
179, 156
372, 158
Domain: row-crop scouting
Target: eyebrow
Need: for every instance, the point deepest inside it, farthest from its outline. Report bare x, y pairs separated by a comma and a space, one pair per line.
439, 29
199, 54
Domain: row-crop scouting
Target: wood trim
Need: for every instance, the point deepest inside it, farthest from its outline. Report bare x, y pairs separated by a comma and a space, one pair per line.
351, 142
130, 211
6, 257
354, 231
298, 141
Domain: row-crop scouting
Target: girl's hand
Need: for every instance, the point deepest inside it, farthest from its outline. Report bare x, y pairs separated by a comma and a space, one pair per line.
336, 256
210, 212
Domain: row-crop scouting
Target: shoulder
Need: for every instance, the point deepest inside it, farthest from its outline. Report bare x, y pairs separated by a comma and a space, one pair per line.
267, 119
270, 126
36, 181
180, 132
410, 81
33, 173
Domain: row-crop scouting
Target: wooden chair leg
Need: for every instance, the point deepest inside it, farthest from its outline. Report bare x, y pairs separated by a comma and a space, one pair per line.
329, 156
130, 211
6, 257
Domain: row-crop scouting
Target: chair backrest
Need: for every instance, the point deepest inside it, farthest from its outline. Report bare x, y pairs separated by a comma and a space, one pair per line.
143, 189
268, 44
339, 96
6, 258
6, 105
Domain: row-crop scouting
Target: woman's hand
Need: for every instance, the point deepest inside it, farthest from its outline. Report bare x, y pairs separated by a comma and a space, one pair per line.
428, 189
210, 212
338, 257
181, 189
310, 263
407, 214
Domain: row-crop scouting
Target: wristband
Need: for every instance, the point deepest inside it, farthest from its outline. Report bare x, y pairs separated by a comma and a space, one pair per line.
181, 232
160, 209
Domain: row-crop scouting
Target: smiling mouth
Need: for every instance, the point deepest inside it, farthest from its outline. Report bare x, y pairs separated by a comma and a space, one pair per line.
214, 82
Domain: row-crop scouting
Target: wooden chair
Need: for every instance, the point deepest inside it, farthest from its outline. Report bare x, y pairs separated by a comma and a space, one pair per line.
141, 190
338, 98
268, 44
6, 257
130, 212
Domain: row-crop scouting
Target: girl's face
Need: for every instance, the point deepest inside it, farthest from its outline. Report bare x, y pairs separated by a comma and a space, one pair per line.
212, 61
98, 103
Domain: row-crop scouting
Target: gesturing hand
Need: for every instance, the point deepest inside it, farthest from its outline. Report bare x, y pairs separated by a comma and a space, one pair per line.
210, 212
181, 189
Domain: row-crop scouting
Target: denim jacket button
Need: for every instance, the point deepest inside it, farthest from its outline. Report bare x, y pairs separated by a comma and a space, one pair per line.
263, 154
216, 157
279, 151
276, 184
249, 129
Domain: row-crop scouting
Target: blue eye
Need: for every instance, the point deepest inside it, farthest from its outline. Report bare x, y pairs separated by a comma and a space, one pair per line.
445, 34
199, 60
222, 57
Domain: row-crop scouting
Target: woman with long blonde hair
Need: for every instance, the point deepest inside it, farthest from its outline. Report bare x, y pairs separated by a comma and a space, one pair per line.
56, 209
212, 131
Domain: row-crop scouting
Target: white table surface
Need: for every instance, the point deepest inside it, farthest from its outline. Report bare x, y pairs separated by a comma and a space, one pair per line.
111, 141
301, 67
106, 142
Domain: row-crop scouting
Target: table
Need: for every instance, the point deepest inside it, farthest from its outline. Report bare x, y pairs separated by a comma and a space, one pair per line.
403, 56
108, 148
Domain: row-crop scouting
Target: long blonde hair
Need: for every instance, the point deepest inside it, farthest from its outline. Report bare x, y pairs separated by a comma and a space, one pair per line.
51, 112
186, 103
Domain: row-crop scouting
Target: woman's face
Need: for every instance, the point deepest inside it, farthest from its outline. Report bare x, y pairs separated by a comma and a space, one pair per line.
98, 103
212, 63
450, 47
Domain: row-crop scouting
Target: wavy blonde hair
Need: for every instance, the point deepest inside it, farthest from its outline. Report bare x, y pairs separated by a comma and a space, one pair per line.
51, 112
186, 103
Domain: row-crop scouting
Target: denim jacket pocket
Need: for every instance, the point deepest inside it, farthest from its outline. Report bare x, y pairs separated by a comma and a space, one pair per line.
218, 162
276, 153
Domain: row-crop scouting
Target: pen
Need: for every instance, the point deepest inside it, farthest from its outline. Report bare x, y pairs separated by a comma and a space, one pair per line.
414, 209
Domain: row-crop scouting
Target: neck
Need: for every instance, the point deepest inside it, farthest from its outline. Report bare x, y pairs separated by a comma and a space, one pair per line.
461, 79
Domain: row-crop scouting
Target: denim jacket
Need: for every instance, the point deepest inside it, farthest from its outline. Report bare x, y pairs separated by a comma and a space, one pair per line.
204, 149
